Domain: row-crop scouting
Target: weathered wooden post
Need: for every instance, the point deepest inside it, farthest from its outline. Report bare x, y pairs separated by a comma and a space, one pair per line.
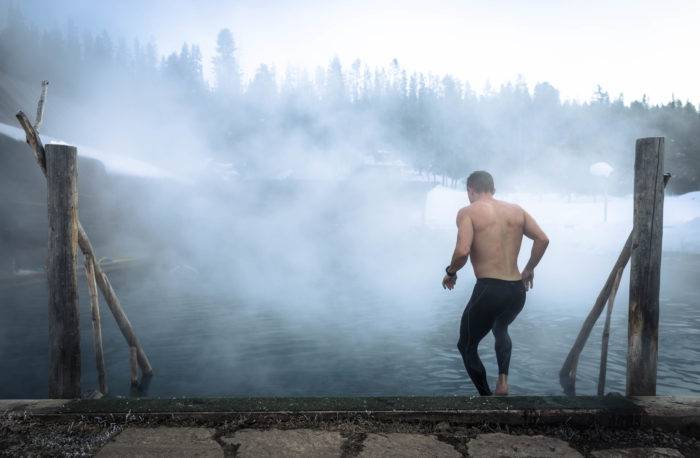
62, 274
645, 269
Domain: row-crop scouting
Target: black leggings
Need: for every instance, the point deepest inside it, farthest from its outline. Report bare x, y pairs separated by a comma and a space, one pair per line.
494, 304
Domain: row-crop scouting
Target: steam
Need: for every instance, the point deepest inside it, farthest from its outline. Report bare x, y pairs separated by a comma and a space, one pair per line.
305, 202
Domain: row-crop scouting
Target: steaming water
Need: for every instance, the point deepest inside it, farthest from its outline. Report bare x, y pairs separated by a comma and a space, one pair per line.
339, 334
334, 289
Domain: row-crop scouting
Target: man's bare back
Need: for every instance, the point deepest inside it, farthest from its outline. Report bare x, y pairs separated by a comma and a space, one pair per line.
491, 231
497, 235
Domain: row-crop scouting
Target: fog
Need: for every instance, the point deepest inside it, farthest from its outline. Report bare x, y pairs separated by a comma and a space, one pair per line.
294, 226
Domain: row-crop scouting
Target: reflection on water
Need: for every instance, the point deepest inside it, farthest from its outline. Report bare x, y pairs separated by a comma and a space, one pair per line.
344, 339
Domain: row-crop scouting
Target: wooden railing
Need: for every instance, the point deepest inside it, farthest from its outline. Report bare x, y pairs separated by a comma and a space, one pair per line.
61, 172
643, 246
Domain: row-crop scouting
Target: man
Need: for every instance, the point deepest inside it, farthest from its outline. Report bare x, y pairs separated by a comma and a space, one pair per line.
491, 231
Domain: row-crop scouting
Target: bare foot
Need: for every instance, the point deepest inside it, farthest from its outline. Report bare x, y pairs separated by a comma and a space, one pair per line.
501, 386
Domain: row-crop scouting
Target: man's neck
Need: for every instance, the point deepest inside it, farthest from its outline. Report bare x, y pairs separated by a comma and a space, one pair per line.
484, 197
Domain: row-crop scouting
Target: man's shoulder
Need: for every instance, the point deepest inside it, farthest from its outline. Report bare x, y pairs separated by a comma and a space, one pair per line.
463, 212
478, 213
516, 215
512, 206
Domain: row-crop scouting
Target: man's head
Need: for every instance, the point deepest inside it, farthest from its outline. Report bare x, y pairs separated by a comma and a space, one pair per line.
479, 183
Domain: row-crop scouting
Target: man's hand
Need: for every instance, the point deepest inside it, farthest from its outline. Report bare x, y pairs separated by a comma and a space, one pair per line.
448, 282
528, 278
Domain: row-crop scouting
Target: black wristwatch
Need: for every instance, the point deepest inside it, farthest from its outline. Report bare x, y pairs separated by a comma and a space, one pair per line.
450, 274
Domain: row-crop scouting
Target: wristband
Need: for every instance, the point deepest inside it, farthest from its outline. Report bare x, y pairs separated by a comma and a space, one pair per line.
450, 274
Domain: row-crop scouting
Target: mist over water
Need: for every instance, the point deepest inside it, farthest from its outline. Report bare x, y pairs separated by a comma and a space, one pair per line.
306, 296
291, 238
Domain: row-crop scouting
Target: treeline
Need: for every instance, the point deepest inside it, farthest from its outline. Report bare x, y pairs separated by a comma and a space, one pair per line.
338, 116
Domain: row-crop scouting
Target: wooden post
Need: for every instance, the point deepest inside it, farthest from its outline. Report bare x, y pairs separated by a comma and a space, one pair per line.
62, 274
96, 324
115, 307
645, 270
606, 335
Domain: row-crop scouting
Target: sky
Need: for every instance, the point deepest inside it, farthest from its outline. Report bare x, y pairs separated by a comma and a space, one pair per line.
631, 46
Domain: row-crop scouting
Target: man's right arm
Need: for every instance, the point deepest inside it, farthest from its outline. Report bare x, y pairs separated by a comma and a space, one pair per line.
539, 244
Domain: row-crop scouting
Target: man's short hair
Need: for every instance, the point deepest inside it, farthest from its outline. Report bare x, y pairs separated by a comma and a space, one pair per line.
481, 181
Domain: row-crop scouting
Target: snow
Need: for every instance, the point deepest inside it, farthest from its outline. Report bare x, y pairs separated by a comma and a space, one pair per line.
117, 164
577, 220
12, 132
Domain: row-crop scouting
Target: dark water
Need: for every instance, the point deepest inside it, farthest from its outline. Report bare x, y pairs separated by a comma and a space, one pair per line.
382, 332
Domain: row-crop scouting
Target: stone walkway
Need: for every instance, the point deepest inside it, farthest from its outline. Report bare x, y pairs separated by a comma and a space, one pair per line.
516, 426
163, 442
201, 442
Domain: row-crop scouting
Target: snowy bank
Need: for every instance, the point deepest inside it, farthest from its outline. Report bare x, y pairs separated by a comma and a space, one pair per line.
578, 220
113, 163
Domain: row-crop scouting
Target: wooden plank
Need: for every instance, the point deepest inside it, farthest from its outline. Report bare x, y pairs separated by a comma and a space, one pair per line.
645, 270
96, 324
62, 274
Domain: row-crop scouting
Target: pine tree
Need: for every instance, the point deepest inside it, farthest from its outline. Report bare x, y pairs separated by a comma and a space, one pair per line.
226, 71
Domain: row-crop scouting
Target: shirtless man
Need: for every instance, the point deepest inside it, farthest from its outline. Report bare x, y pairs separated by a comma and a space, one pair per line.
491, 231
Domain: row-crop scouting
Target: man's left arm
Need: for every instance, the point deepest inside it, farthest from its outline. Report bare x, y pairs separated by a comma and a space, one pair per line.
465, 235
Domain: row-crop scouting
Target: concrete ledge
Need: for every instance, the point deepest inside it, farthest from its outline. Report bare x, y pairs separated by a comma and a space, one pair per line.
618, 411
